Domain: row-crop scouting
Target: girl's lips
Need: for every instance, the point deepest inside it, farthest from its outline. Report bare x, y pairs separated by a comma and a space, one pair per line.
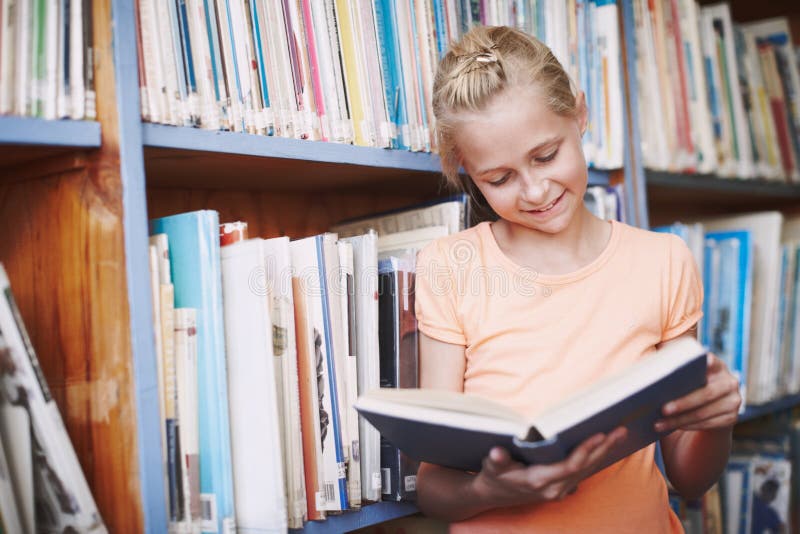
555, 204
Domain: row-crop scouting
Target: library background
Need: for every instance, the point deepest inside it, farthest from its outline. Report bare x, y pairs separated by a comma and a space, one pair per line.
176, 375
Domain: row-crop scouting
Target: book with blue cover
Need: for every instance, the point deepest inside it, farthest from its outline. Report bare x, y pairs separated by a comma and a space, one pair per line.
457, 430
729, 289
195, 262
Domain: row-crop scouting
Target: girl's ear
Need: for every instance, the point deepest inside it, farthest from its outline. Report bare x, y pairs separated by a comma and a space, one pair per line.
581, 111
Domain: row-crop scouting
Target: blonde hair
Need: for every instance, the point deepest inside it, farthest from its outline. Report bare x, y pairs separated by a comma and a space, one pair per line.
487, 60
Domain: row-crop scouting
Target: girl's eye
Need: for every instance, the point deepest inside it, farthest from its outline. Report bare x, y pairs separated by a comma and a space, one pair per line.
548, 157
500, 181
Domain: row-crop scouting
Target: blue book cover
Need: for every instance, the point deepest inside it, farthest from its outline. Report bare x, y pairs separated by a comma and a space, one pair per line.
458, 431
386, 24
441, 28
727, 327
195, 265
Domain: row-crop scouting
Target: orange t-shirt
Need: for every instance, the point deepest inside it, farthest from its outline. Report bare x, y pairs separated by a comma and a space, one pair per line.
533, 339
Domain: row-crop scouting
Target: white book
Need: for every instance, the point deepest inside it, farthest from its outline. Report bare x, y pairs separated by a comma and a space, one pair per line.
231, 75
314, 266
449, 213
791, 235
58, 477
332, 120
49, 88
726, 161
185, 324
306, 124
171, 61
280, 84
347, 312
256, 455
699, 114
8, 30
62, 60
77, 91
411, 239
652, 120
17, 512
374, 79
365, 270
22, 54
765, 230
278, 279
720, 16
155, 289
153, 63
241, 61
201, 56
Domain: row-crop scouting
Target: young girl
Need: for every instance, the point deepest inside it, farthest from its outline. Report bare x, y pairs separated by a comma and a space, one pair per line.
529, 308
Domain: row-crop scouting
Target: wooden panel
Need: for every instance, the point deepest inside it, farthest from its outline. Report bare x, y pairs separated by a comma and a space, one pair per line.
271, 214
65, 259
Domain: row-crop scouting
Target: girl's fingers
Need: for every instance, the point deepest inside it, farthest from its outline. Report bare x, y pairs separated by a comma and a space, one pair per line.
716, 422
726, 408
717, 388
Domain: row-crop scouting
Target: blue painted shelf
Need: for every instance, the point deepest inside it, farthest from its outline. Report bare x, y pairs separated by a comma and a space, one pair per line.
759, 410
371, 514
40, 132
26, 139
177, 156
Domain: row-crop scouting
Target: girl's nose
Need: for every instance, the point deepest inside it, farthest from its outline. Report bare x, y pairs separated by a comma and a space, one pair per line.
534, 190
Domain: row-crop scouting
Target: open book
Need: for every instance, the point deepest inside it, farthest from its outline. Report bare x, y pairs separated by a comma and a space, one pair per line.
458, 430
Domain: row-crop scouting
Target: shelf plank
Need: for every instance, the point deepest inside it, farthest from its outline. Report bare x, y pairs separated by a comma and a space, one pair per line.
24, 139
194, 158
713, 183
675, 196
371, 514
163, 136
755, 411
40, 132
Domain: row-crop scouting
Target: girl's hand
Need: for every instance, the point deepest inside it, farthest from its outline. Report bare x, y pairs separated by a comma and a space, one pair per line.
713, 407
505, 482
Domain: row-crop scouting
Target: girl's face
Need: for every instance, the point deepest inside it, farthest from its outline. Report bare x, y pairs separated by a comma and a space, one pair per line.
525, 159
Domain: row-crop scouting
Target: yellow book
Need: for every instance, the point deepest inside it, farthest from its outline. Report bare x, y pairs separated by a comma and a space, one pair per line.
359, 108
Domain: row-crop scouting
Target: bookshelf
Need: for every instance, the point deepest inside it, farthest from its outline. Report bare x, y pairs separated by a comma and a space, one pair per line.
78, 196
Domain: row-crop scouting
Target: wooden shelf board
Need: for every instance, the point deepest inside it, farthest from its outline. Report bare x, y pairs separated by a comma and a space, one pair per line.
372, 514
674, 196
759, 410
25, 139
189, 157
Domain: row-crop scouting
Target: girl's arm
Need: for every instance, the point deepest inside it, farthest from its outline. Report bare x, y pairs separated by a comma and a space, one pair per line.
696, 453
455, 495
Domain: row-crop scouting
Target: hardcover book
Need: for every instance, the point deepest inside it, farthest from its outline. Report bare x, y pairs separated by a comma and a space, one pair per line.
458, 430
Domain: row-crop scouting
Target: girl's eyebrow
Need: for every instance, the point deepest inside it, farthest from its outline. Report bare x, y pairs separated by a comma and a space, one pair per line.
533, 150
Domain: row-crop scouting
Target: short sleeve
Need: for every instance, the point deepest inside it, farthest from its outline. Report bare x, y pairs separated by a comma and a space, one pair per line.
683, 298
435, 297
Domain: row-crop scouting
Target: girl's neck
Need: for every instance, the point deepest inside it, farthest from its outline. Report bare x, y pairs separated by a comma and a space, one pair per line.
553, 254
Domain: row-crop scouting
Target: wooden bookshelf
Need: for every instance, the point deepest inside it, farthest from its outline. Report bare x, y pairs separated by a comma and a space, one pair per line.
77, 197
779, 405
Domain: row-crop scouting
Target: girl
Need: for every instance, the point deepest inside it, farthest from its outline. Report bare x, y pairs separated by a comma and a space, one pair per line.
546, 299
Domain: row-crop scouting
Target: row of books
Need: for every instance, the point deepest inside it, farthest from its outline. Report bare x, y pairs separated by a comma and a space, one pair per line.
42, 486
751, 275
46, 59
263, 347
758, 491
353, 71
715, 96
